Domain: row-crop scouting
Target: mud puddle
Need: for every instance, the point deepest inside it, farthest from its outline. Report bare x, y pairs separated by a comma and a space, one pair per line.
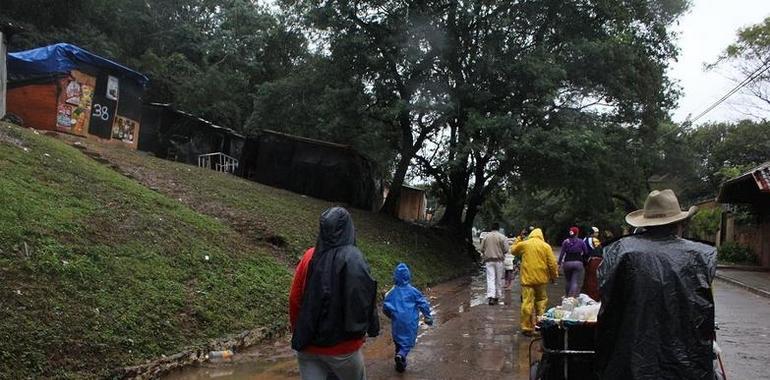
276, 361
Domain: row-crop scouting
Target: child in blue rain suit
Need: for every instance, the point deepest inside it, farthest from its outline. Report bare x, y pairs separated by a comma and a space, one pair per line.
403, 304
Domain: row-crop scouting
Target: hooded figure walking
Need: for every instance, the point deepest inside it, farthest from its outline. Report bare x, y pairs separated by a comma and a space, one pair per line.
538, 267
332, 303
657, 314
403, 305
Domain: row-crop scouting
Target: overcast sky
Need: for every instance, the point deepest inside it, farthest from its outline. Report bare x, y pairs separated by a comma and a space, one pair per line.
705, 31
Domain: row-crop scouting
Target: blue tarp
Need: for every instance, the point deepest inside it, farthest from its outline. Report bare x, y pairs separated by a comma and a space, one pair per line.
62, 58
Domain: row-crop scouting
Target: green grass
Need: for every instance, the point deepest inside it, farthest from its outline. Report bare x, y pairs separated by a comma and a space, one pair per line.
97, 271
264, 213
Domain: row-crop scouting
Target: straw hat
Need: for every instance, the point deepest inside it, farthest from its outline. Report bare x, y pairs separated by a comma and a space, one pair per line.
660, 208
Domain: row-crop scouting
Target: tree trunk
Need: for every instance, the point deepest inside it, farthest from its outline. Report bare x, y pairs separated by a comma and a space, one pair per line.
470, 217
394, 193
407, 153
456, 198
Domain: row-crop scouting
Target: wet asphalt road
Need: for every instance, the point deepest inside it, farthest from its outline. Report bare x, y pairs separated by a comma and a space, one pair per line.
744, 331
472, 340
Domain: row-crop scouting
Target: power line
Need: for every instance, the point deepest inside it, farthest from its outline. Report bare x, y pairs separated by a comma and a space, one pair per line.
758, 72
750, 78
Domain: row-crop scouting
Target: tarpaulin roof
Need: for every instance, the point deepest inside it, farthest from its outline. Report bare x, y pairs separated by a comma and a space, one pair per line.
62, 58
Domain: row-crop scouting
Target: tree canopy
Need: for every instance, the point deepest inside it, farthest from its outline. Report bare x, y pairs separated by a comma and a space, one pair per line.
474, 84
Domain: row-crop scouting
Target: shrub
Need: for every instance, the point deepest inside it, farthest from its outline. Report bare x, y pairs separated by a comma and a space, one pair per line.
705, 224
734, 252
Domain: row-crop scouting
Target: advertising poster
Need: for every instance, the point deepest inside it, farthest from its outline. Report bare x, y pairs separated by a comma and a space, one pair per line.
113, 88
125, 129
74, 109
64, 118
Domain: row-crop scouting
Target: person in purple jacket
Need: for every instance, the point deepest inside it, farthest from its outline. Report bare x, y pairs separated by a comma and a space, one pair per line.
573, 250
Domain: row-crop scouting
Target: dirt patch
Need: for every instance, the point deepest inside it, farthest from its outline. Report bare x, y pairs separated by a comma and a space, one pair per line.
7, 136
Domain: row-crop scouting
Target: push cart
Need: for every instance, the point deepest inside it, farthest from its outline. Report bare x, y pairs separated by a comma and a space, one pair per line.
568, 349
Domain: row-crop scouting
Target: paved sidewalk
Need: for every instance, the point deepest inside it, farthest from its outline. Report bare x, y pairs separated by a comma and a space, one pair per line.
757, 282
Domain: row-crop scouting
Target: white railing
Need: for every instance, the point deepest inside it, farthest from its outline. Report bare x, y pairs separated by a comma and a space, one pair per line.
219, 162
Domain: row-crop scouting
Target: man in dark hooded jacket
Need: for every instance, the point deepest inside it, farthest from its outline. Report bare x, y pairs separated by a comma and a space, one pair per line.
332, 303
657, 315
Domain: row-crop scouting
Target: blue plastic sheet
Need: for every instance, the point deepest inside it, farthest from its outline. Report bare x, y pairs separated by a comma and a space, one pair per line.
62, 58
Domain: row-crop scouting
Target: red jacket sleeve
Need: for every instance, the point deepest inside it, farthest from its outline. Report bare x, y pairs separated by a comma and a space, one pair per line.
298, 287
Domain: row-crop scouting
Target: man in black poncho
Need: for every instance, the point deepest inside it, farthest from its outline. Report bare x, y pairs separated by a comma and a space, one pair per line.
657, 314
332, 303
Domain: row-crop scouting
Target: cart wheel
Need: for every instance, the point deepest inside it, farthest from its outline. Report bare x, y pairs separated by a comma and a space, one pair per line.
533, 375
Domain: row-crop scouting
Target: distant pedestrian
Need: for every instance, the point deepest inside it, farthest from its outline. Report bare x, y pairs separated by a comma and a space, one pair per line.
573, 251
403, 305
332, 303
538, 267
512, 262
657, 315
493, 250
594, 246
509, 265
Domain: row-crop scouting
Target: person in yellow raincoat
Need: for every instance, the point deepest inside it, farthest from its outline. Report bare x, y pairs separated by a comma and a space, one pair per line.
538, 268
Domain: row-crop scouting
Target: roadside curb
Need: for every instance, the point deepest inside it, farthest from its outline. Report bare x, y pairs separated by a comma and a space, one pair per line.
757, 291
746, 268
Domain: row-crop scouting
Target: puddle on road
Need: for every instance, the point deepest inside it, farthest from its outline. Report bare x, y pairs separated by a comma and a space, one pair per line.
276, 361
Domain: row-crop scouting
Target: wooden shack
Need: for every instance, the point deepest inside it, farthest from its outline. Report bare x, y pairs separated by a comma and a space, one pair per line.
320, 169
181, 136
68, 89
412, 204
751, 189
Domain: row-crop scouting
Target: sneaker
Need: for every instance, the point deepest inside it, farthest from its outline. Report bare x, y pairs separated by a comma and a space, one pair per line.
490, 301
400, 363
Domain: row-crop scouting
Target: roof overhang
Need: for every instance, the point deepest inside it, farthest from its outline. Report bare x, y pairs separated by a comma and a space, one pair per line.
170, 107
752, 187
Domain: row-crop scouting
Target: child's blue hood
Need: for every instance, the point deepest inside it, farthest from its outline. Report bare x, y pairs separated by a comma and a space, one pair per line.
402, 275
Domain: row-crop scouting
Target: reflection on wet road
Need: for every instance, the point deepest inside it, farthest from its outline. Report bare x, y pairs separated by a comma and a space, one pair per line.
472, 340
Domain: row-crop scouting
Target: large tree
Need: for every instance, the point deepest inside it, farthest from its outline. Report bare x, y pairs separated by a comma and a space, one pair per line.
394, 48
515, 69
471, 80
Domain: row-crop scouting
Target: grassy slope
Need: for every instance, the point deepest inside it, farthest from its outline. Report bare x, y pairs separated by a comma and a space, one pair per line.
264, 213
97, 271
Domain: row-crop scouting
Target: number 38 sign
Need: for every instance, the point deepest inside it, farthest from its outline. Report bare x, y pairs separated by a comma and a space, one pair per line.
103, 108
101, 112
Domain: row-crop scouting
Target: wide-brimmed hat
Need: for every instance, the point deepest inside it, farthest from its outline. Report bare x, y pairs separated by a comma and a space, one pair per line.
660, 208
